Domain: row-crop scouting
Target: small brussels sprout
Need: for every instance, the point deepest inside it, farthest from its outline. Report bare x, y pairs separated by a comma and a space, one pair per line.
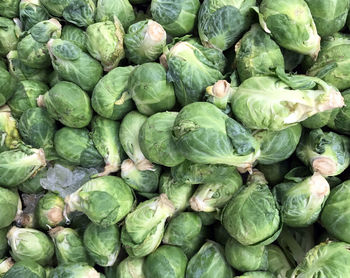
324, 152
274, 173
10, 204
278, 264
55, 7
220, 95
32, 12
9, 8
8, 130
131, 268
80, 12
257, 274
3, 242
26, 268
76, 270
102, 243
9, 33
75, 35
340, 117
109, 98
72, 64
144, 41
30, 244
5, 266
105, 200
177, 17
8, 86
209, 262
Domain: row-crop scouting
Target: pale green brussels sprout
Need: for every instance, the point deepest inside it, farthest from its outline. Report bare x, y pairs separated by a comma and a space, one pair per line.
9, 33
105, 200
278, 264
30, 244
80, 12
144, 227
32, 50
257, 54
8, 85
109, 98
246, 258
32, 12
177, 17
192, 67
257, 274
209, 262
340, 117
16, 166
144, 41
76, 270
130, 268
157, 142
9, 135
221, 23
204, 133
111, 51
55, 7
328, 259
274, 173
75, 35
166, 259
26, 268
277, 146
3, 242
291, 25
150, 90
49, 211
9, 8
5, 265
72, 64
318, 120
102, 243
67, 103
324, 152
10, 204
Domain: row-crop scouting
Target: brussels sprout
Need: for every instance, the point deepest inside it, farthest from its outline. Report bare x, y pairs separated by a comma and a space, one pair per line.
105, 200
26, 269
75, 35
150, 90
55, 7
80, 13
9, 8
340, 117
256, 274
102, 243
131, 268
9, 33
220, 24
16, 166
291, 25
246, 258
257, 54
277, 261
8, 86
30, 244
5, 266
318, 120
177, 17
32, 12
109, 98
32, 50
192, 68
204, 133
3, 242
144, 41
220, 95
10, 204
274, 173
324, 152
166, 259
209, 262
72, 64
8, 130
76, 270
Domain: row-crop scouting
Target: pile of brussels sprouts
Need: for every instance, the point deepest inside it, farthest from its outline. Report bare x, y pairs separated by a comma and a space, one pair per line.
174, 139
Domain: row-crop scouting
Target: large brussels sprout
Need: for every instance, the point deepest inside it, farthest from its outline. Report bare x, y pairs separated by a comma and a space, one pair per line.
144, 41
80, 12
257, 54
10, 204
30, 244
8, 86
278, 264
55, 7
67, 103
204, 133
221, 23
5, 265
9, 8
324, 152
8, 130
130, 268
32, 12
26, 269
209, 262
192, 68
102, 243
9, 33
291, 24
75, 35
150, 90
340, 118
77, 270
72, 64
105, 200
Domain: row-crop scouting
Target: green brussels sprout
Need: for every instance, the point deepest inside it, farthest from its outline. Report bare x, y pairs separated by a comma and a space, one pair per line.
144, 41
157, 142
150, 90
131, 268
324, 152
109, 9
16, 166
111, 51
328, 259
252, 216
291, 24
3, 242
221, 23
274, 173
204, 133
9, 8
144, 227
76, 270
220, 95
257, 54
72, 64
32, 49
209, 262
49, 211
8, 130
55, 7
340, 117
278, 264
277, 146
69, 247
102, 243
192, 67
80, 13
105, 200
166, 259
318, 120
26, 269
109, 98
75, 35
30, 244
8, 86
177, 17
9, 33
32, 12
246, 258
10, 204
5, 266
257, 274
